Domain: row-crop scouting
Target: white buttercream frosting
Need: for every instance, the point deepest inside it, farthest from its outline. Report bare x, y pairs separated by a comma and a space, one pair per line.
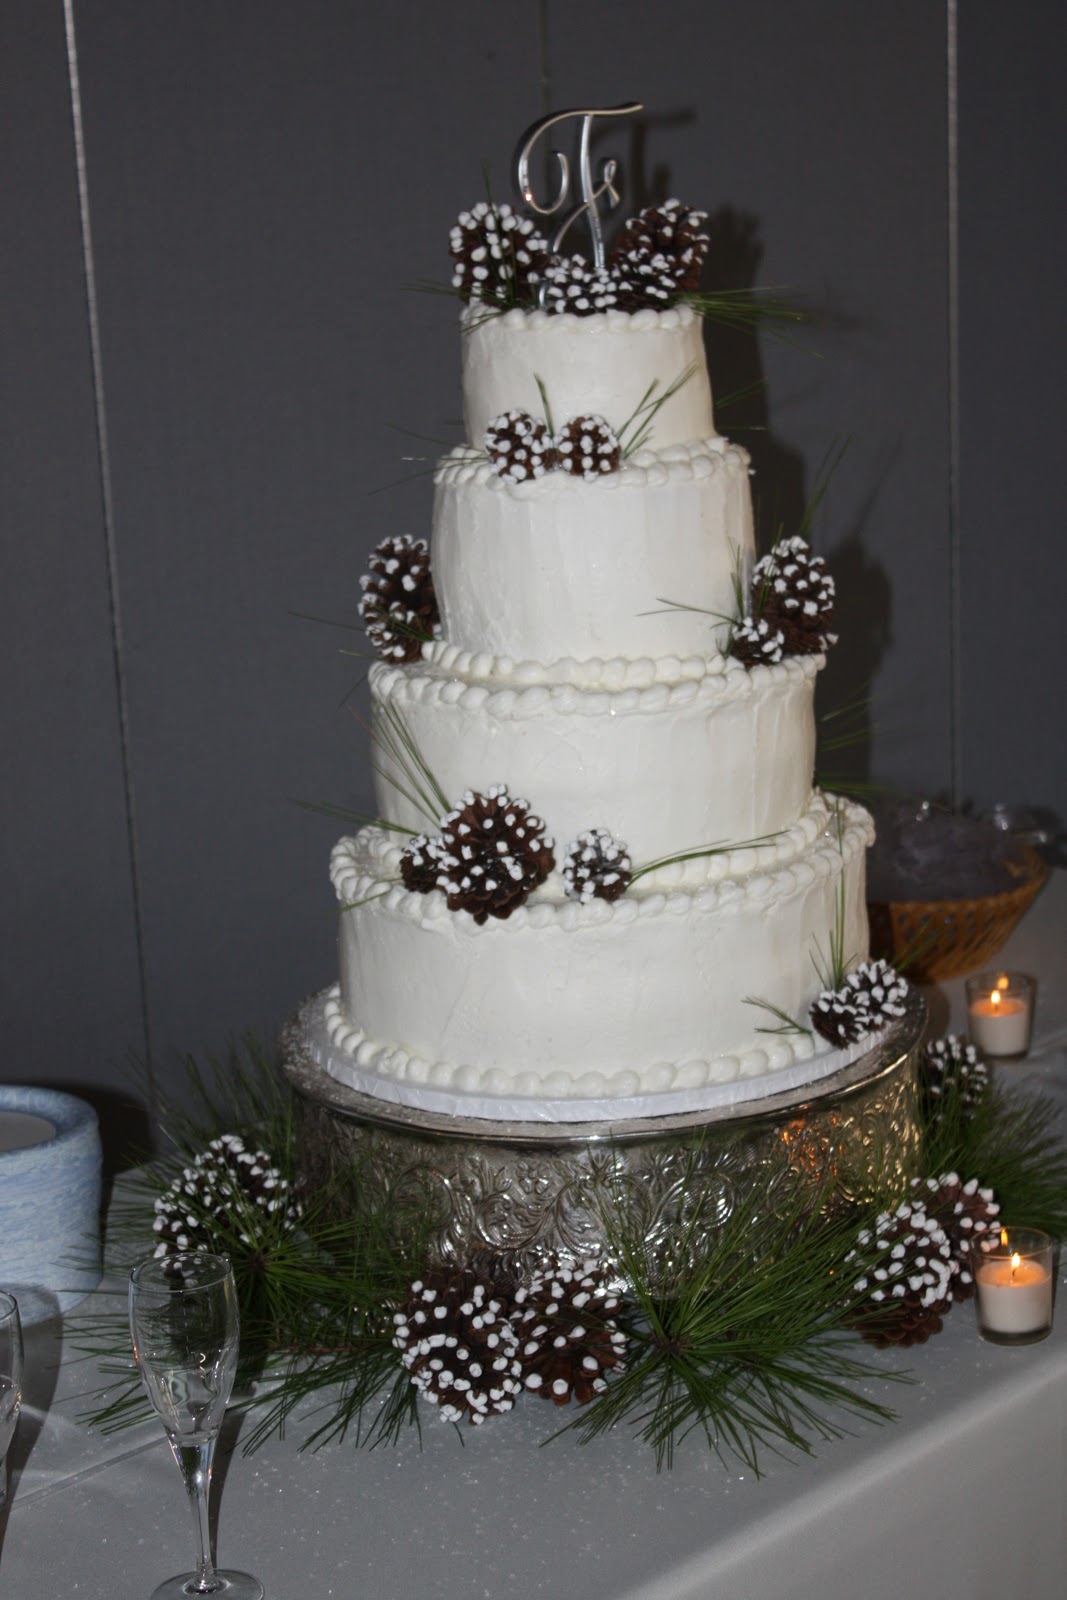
604, 365
643, 562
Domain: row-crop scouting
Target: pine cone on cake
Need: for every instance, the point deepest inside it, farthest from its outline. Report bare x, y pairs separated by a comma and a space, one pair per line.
966, 1213
399, 607
495, 853
520, 447
572, 284
952, 1070
756, 643
793, 592
498, 256
872, 995
227, 1194
596, 866
587, 448
661, 247
420, 864
458, 1345
907, 1271
568, 1338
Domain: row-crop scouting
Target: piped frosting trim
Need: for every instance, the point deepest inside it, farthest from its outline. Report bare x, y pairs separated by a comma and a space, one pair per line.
645, 469
621, 322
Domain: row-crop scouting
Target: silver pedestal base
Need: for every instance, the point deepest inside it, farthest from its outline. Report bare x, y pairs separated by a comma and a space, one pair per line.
528, 1190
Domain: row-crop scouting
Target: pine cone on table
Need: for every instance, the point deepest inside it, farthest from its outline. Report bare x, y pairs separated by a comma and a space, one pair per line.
587, 448
661, 245
756, 643
520, 447
907, 1272
399, 607
966, 1213
793, 592
952, 1067
567, 1336
596, 866
498, 256
495, 853
458, 1345
228, 1193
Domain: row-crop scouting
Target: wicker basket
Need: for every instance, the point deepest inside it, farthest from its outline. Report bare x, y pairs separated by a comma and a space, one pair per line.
936, 939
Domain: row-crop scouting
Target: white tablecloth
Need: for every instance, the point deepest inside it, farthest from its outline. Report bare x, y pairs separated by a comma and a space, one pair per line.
965, 1497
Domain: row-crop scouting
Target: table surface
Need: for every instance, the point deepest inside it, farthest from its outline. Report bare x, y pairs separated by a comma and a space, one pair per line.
963, 1496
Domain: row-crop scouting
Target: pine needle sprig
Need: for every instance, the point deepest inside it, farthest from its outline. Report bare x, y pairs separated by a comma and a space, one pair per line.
738, 1342
787, 1025
1009, 1141
701, 853
358, 819
647, 409
747, 310
407, 772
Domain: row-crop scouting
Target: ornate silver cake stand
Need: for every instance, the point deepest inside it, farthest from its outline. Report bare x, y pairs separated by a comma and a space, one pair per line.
526, 1190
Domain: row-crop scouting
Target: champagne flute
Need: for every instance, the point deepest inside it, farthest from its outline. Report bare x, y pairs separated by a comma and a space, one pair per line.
185, 1327
10, 1380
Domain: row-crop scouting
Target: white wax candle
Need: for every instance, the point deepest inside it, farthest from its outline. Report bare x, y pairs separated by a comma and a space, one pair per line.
1014, 1298
999, 1023
19, 1130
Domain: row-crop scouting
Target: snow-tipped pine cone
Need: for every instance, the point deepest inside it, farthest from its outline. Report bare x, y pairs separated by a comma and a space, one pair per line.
420, 864
966, 1213
872, 995
951, 1070
793, 592
587, 448
906, 1277
596, 866
228, 1193
755, 643
458, 1345
663, 243
498, 256
399, 607
572, 284
568, 1338
494, 854
520, 447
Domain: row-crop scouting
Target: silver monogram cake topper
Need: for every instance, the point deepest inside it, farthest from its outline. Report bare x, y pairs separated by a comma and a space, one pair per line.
591, 192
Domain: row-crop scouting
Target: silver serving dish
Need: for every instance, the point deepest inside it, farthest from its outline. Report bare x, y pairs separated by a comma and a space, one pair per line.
528, 1190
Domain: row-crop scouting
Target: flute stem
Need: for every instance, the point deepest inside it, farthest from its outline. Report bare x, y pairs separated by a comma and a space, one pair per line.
195, 1463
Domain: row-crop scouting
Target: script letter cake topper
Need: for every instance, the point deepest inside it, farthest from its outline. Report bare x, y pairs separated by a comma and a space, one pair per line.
591, 191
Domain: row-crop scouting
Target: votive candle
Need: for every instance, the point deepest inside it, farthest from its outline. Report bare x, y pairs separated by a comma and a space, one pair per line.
1013, 1285
1000, 1010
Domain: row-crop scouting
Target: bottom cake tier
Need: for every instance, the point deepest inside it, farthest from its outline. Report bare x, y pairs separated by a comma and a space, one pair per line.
691, 991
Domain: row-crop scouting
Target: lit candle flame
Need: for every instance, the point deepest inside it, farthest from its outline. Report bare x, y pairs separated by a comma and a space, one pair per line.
1004, 1237
1003, 982
994, 998
1015, 1262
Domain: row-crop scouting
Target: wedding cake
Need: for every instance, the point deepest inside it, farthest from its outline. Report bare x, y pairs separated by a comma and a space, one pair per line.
601, 883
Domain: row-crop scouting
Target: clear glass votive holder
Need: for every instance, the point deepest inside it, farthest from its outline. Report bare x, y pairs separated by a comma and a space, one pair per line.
1000, 1012
1013, 1279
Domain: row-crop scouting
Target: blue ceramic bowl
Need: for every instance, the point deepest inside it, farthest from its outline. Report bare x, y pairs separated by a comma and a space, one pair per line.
50, 1206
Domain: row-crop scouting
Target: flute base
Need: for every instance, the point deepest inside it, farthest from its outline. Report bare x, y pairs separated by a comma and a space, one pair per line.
227, 1585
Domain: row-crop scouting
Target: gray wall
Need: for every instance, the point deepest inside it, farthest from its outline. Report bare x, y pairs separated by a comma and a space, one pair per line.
263, 180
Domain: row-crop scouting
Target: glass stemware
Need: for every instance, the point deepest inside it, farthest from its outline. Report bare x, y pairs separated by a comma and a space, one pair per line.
184, 1323
10, 1380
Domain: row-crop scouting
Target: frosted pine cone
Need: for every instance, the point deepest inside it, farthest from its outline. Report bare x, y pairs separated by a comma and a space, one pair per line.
457, 1343
498, 256
907, 1271
567, 1337
520, 447
587, 448
662, 244
575, 286
228, 1195
793, 592
872, 995
399, 607
965, 1212
755, 643
952, 1071
494, 854
596, 866
420, 864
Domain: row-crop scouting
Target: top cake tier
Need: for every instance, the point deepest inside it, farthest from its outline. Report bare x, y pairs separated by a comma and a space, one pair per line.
616, 365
